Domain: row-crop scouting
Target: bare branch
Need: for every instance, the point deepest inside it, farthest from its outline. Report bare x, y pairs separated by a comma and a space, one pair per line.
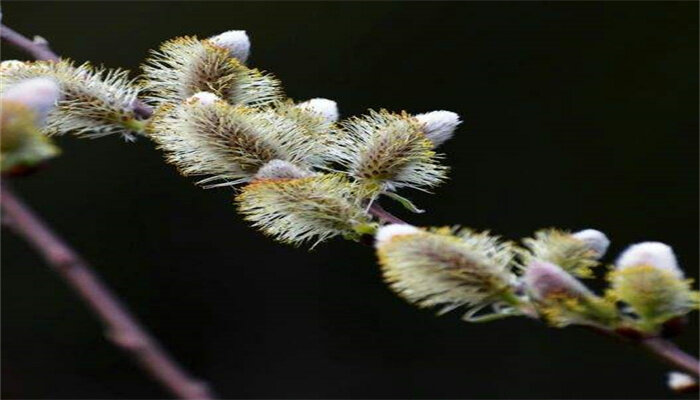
122, 327
378, 211
672, 355
38, 49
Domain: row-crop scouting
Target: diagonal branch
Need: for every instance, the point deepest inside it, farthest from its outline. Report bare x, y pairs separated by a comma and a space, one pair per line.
671, 355
658, 347
378, 211
39, 49
122, 327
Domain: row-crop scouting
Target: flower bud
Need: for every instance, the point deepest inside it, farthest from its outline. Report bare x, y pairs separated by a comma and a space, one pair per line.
655, 254
680, 382
446, 269
544, 280
328, 109
439, 126
95, 101
388, 232
648, 279
186, 65
236, 42
386, 151
563, 300
22, 145
203, 98
576, 253
38, 94
595, 240
229, 144
279, 169
299, 210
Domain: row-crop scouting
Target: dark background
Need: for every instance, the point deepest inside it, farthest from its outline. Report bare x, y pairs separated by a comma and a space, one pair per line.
577, 115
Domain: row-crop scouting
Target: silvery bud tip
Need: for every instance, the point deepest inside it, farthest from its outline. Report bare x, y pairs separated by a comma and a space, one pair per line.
595, 240
680, 382
39, 94
439, 126
203, 98
655, 254
328, 109
236, 42
543, 279
386, 233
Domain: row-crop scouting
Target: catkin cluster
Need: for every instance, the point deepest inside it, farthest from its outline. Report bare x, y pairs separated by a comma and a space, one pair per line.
451, 268
303, 175
306, 175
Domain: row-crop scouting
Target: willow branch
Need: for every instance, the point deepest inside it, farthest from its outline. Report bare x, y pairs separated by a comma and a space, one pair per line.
671, 355
660, 348
40, 50
378, 211
122, 327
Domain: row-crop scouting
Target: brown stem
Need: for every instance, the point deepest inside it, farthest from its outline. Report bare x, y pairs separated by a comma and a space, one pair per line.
384, 215
660, 348
122, 327
671, 355
36, 48
40, 50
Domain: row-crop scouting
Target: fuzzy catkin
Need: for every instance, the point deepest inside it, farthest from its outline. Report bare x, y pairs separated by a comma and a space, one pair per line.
186, 65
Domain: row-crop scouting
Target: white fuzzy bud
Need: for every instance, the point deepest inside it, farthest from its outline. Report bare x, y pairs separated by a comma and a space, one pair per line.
236, 42
680, 382
38, 94
328, 109
595, 240
544, 279
655, 254
204, 98
279, 169
439, 126
385, 233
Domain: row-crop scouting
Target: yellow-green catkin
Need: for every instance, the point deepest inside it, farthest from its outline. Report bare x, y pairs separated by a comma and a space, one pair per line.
311, 209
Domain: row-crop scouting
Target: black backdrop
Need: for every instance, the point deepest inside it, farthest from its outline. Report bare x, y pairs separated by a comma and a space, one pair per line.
577, 115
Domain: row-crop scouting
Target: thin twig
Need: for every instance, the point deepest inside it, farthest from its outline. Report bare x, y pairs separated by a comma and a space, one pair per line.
122, 328
40, 50
36, 48
660, 348
384, 215
671, 355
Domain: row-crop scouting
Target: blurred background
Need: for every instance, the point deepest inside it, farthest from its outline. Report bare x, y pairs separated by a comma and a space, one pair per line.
577, 115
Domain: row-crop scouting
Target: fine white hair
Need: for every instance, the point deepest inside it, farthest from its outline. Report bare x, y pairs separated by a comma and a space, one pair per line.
594, 239
39, 94
679, 381
385, 233
328, 109
656, 254
439, 126
236, 42
204, 98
